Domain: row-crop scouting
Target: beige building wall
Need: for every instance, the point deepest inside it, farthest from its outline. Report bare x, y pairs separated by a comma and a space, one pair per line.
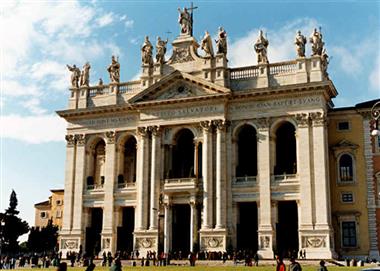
50, 209
346, 137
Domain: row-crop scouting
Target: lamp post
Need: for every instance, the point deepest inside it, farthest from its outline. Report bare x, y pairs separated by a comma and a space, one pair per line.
375, 114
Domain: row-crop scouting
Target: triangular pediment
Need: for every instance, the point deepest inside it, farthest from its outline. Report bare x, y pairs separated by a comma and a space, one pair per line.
179, 86
344, 144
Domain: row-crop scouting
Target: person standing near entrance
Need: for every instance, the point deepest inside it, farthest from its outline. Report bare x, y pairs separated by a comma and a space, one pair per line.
280, 264
294, 266
322, 266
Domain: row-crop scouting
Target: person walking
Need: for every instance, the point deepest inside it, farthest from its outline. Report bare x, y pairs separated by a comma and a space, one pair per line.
322, 266
280, 264
294, 266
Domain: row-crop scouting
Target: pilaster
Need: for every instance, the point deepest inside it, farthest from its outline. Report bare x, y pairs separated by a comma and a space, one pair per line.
155, 175
167, 225
316, 74
109, 226
265, 227
301, 71
263, 78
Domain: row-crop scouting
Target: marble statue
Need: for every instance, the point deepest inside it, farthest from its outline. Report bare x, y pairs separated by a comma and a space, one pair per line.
300, 42
160, 50
317, 43
221, 42
147, 52
114, 70
100, 82
85, 75
206, 45
185, 21
261, 46
75, 75
325, 61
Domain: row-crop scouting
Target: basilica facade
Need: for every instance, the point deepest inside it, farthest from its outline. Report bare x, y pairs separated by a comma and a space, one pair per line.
196, 155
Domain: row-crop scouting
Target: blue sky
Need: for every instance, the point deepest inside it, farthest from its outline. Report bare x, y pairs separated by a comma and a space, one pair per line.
40, 37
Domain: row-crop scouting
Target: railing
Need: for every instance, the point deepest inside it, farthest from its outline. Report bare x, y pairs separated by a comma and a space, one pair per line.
244, 73
180, 180
98, 90
284, 177
129, 87
245, 179
95, 186
126, 185
282, 68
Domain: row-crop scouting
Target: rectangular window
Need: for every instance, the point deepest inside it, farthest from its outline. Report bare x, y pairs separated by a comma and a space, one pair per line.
343, 126
349, 234
347, 197
59, 214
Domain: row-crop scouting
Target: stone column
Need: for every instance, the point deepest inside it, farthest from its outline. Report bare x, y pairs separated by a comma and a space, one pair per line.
109, 226
167, 225
220, 174
78, 227
304, 172
155, 176
196, 143
207, 222
142, 179
193, 218
321, 177
69, 184
265, 228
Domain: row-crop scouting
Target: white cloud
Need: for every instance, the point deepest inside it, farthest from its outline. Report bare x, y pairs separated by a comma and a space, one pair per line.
106, 19
281, 43
14, 88
129, 23
33, 129
34, 106
374, 77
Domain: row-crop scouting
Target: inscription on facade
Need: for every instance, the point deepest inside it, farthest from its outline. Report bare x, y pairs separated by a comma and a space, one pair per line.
281, 103
105, 122
183, 112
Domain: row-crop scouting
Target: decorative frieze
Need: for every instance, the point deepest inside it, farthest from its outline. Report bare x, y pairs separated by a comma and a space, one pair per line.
212, 243
69, 244
145, 242
313, 241
265, 241
181, 55
106, 243
70, 139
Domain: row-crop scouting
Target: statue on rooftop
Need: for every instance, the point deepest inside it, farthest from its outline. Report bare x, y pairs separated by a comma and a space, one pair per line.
206, 45
75, 75
185, 21
325, 62
114, 70
160, 50
147, 52
261, 46
317, 43
85, 75
300, 42
221, 42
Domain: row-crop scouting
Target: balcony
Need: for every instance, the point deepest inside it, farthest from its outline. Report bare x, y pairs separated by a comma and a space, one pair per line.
245, 181
181, 185
285, 183
126, 185
95, 187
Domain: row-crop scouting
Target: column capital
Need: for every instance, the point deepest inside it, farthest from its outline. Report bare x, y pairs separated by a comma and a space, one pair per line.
302, 120
318, 118
80, 139
206, 126
142, 131
193, 201
70, 140
263, 123
155, 130
221, 124
110, 136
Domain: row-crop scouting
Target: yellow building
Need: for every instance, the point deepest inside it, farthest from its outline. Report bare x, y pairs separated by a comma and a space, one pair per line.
353, 222
50, 209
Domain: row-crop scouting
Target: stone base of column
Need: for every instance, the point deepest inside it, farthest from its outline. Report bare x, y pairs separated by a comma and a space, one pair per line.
317, 244
266, 241
213, 239
144, 241
108, 243
69, 241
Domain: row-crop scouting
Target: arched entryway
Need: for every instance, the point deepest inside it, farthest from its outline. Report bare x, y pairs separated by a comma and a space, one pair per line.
183, 155
246, 164
286, 153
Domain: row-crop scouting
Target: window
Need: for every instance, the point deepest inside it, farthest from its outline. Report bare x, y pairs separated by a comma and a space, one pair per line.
347, 197
58, 202
349, 234
346, 168
43, 215
343, 126
58, 214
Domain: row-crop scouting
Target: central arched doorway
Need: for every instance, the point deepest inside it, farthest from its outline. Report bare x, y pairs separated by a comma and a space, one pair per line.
183, 155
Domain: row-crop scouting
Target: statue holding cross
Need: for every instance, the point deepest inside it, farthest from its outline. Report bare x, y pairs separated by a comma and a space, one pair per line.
185, 20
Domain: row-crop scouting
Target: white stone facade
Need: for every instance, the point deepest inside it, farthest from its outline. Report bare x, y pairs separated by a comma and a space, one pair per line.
212, 102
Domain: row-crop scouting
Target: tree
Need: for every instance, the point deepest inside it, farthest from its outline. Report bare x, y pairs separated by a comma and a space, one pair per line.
44, 239
13, 227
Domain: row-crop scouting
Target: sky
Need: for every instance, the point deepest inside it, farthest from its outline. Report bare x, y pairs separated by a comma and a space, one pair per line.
38, 39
